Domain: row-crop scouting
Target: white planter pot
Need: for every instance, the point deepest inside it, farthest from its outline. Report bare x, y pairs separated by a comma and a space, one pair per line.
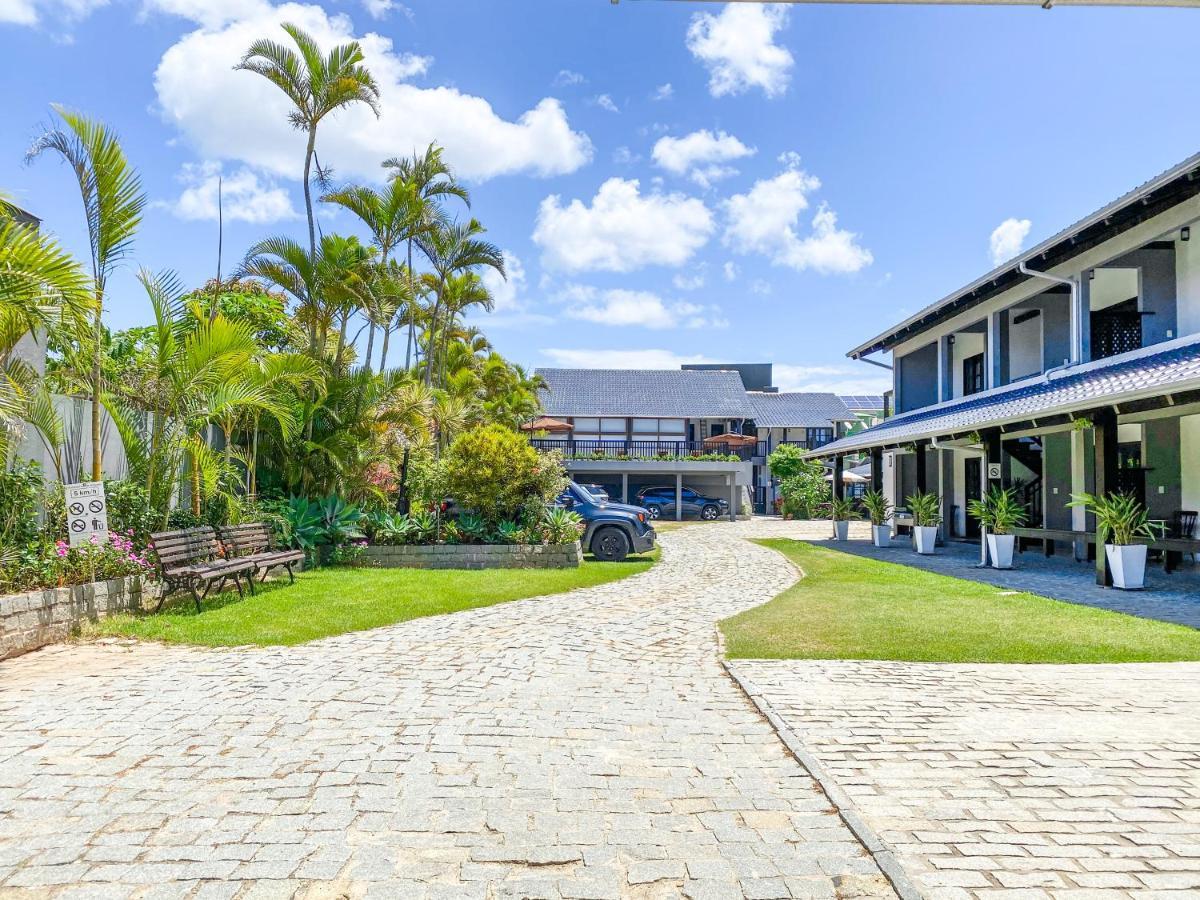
1127, 563
1000, 549
926, 538
841, 531
881, 535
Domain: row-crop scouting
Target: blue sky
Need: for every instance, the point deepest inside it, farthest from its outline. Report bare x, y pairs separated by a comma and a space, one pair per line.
810, 175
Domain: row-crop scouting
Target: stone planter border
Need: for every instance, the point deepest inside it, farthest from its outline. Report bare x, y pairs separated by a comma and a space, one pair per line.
474, 556
37, 618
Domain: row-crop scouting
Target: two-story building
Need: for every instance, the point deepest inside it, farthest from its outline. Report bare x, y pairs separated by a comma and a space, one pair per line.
1073, 367
636, 428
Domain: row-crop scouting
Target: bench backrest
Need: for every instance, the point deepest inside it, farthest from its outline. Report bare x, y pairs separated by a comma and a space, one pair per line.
247, 539
176, 549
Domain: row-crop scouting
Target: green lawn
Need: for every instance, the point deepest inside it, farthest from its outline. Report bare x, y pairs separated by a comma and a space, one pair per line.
848, 607
333, 601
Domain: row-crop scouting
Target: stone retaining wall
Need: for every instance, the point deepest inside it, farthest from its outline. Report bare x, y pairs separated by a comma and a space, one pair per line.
475, 556
38, 618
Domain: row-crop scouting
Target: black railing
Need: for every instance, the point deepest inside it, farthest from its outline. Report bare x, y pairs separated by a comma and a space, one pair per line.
765, 447
621, 448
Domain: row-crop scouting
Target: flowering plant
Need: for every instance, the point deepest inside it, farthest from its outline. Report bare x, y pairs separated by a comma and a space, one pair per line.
348, 554
46, 564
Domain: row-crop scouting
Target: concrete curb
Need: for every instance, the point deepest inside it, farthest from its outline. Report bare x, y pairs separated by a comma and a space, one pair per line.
883, 855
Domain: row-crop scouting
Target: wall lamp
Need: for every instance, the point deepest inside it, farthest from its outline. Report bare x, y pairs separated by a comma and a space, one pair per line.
1185, 233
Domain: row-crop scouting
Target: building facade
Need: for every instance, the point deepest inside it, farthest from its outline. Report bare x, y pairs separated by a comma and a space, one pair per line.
1074, 367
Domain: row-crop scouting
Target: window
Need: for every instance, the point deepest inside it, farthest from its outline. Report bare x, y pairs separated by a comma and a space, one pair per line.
613, 426
588, 425
818, 437
645, 426
973, 374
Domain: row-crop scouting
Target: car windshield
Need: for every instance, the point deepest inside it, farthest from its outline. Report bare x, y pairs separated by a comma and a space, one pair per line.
584, 494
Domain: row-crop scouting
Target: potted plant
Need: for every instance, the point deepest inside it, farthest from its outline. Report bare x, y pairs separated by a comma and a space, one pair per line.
880, 512
999, 512
1123, 519
841, 511
926, 509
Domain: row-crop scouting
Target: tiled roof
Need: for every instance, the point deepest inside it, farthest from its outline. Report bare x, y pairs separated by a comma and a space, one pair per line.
666, 393
1147, 372
798, 410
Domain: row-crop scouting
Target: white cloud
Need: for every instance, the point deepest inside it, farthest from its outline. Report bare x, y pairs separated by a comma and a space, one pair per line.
229, 114
766, 220
605, 102
701, 155
684, 282
60, 12
1008, 238
620, 358
663, 92
507, 294
567, 78
761, 287
209, 13
731, 270
622, 230
381, 9
830, 379
244, 198
637, 308
623, 156
737, 46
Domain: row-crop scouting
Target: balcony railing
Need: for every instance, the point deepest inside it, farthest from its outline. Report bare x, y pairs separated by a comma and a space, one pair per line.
620, 448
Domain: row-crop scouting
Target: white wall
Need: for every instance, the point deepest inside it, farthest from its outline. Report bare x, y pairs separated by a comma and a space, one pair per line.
1187, 275
1114, 285
1189, 447
1025, 347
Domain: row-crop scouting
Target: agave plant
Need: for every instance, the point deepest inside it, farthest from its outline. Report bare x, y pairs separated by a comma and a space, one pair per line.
300, 524
424, 527
509, 532
341, 521
561, 526
473, 528
390, 528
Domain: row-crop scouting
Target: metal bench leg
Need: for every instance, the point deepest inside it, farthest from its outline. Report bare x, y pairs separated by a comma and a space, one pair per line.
250, 581
195, 596
291, 577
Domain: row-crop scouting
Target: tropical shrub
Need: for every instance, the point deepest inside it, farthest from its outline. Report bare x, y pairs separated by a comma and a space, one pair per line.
347, 554
340, 521
841, 509
877, 506
999, 510
424, 527
787, 461
391, 528
804, 493
129, 509
299, 525
473, 528
46, 564
509, 532
926, 509
20, 491
1121, 517
494, 472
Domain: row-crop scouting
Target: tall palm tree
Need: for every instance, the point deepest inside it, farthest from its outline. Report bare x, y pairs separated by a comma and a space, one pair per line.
451, 250
432, 180
388, 214
113, 203
317, 85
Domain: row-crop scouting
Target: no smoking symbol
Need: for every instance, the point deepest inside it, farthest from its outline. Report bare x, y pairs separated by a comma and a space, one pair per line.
96, 506
77, 509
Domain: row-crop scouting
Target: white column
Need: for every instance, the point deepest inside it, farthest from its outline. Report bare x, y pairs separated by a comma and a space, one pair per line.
624, 487
678, 496
732, 497
1078, 486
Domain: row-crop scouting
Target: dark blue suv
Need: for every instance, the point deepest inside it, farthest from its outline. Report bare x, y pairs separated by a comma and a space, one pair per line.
613, 530
660, 502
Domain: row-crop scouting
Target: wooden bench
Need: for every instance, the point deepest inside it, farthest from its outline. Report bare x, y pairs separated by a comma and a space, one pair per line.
1172, 549
252, 543
191, 557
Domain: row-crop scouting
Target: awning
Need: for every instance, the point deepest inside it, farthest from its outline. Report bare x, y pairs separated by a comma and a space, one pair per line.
731, 439
1165, 374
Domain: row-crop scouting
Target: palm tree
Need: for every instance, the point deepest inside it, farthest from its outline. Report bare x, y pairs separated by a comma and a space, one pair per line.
452, 250
316, 85
431, 179
388, 214
113, 203
42, 289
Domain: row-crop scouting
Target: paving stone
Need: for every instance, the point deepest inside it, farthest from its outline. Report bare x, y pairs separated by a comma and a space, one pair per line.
565, 746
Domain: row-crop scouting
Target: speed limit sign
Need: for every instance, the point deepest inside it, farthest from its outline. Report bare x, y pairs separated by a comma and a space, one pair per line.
87, 512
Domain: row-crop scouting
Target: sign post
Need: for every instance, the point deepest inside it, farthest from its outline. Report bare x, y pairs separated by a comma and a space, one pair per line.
87, 512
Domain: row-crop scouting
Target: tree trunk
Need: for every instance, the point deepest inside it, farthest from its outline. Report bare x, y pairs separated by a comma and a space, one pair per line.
370, 346
312, 228
252, 469
387, 333
412, 299
97, 448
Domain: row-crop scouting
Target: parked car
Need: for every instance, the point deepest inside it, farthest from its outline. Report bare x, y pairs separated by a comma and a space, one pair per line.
613, 530
596, 490
660, 503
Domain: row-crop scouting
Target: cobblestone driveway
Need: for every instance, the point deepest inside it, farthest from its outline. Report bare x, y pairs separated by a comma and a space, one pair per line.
585, 745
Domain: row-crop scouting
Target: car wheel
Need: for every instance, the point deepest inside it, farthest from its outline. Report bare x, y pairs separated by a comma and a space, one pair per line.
610, 545
655, 512
710, 513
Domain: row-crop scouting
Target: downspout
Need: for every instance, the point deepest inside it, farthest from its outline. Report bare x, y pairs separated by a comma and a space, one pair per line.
1076, 312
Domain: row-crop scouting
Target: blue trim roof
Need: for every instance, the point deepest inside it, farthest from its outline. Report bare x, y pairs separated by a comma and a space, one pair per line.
1153, 370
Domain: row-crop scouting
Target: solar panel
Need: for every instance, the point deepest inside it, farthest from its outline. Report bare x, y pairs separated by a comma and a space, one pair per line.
863, 402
